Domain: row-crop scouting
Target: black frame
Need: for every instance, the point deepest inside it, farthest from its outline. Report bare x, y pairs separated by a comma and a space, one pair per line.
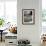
33, 16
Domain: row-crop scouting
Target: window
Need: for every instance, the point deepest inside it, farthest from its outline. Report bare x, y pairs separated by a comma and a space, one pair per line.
11, 11
43, 12
43, 16
8, 11
1, 9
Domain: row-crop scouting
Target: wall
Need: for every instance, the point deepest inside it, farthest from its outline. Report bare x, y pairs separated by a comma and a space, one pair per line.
31, 32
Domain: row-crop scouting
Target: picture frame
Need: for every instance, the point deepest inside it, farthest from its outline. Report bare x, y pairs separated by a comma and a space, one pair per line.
28, 16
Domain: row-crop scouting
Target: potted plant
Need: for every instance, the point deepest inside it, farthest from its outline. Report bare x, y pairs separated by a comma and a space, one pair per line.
1, 22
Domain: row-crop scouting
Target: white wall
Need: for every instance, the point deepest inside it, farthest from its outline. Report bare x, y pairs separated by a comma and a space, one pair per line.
31, 32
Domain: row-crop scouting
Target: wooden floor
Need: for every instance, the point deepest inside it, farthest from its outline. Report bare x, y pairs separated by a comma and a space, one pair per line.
2, 43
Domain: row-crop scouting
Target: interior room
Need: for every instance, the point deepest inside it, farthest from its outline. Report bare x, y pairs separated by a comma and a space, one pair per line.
22, 22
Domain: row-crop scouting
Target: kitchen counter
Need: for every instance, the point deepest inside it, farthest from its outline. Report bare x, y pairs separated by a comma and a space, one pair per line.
10, 39
10, 34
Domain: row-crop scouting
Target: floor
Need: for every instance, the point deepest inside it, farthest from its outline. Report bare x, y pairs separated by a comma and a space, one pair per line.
2, 43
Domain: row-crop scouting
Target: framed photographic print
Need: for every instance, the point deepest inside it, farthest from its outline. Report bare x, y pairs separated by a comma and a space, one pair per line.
28, 16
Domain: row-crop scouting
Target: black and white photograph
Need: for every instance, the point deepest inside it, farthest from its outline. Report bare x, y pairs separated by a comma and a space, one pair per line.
28, 16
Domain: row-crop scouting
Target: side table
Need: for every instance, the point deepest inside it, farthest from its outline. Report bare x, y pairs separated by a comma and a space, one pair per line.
1, 34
